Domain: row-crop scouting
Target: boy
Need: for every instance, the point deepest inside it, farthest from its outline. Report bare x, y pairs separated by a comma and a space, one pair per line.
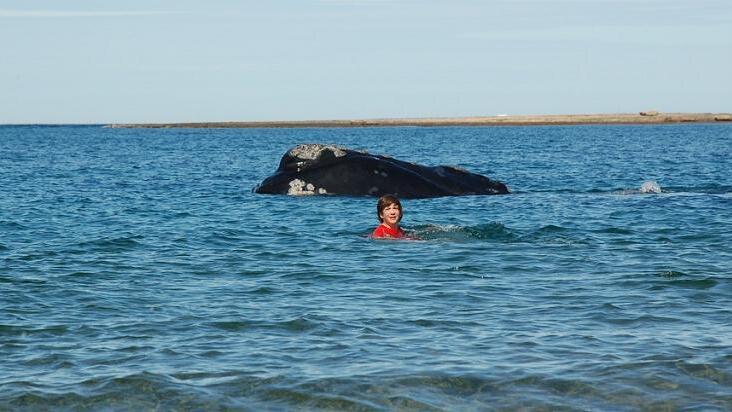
389, 212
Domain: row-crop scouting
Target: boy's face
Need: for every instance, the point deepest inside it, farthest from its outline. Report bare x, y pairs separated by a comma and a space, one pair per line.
391, 214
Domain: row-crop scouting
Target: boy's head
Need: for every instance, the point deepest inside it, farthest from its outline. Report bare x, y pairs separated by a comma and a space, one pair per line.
386, 201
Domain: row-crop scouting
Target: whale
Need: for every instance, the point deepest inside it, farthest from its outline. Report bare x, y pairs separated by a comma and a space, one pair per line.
327, 169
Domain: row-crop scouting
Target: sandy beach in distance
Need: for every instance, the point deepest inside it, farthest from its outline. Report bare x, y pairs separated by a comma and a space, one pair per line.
650, 117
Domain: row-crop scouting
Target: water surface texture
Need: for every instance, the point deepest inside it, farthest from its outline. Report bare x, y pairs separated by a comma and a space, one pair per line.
139, 271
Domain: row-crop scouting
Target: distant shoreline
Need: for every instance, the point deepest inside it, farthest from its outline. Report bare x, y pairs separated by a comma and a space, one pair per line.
499, 120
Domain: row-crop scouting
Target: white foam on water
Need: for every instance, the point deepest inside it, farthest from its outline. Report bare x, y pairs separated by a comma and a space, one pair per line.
650, 186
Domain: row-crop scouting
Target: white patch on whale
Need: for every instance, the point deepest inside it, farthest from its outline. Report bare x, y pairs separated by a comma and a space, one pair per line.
300, 188
374, 190
313, 151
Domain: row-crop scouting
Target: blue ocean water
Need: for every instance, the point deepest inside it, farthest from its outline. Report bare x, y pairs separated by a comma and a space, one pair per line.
138, 271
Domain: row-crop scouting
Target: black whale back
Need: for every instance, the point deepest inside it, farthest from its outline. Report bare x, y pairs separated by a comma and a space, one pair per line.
318, 169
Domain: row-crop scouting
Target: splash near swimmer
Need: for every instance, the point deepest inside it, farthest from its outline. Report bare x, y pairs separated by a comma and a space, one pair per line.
647, 187
650, 186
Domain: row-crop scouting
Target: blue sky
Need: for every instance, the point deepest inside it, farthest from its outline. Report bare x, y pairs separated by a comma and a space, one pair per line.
165, 61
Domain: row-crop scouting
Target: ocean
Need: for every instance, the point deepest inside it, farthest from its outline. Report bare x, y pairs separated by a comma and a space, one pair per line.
138, 271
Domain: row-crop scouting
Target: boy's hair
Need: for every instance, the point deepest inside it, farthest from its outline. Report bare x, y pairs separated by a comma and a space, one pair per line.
385, 201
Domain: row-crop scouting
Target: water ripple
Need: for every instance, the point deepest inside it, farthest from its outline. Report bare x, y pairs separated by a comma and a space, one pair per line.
139, 272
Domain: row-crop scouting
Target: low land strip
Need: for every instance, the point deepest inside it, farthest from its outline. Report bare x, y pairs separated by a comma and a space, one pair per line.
499, 120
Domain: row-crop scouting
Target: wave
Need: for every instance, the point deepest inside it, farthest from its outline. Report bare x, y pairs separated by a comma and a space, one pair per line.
649, 187
709, 189
653, 188
44, 331
295, 325
11, 225
670, 279
655, 382
493, 232
489, 231
116, 244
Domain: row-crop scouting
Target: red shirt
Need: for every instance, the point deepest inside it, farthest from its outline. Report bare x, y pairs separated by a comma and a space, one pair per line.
384, 231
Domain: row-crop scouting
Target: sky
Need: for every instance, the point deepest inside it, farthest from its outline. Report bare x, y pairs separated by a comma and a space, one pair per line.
223, 60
